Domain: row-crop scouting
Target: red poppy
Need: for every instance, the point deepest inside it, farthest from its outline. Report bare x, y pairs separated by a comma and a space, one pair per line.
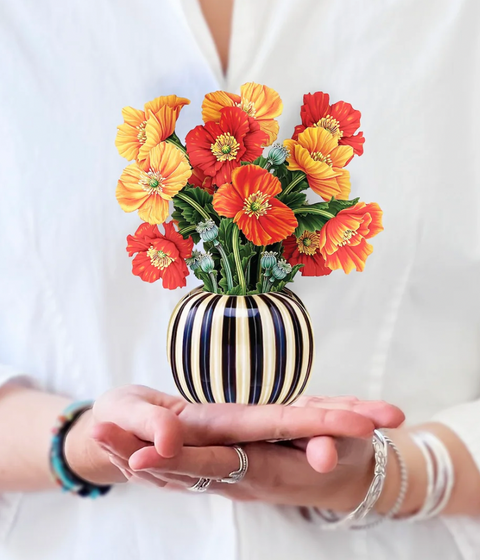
250, 201
160, 255
218, 148
340, 119
199, 179
306, 250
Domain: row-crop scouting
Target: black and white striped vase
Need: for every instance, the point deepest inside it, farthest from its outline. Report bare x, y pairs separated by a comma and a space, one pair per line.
255, 349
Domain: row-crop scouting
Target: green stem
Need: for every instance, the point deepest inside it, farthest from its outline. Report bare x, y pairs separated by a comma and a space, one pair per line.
309, 210
226, 264
193, 204
262, 250
248, 269
187, 230
238, 261
267, 282
177, 143
300, 177
214, 282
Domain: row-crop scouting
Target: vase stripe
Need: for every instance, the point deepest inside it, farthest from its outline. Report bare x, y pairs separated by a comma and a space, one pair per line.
309, 342
298, 345
228, 351
178, 376
249, 349
187, 346
242, 351
280, 348
256, 350
205, 350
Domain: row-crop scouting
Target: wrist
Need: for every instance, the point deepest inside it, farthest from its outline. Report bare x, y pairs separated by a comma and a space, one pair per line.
417, 476
85, 457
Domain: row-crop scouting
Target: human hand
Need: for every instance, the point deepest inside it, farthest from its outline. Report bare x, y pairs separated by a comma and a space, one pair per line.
211, 425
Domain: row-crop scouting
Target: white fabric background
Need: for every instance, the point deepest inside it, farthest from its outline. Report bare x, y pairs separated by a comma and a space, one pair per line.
75, 318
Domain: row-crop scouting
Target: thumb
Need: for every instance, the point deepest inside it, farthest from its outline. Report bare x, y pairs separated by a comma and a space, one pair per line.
148, 414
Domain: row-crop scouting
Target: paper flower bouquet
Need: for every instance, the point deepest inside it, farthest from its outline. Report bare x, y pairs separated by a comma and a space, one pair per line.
243, 336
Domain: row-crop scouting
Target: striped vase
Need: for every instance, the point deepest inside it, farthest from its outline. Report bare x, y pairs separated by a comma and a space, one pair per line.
240, 349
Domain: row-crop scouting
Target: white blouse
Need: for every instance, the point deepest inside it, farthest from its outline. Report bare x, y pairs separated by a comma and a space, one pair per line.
75, 319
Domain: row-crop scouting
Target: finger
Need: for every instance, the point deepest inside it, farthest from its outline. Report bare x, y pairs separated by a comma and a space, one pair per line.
347, 451
382, 414
114, 439
321, 453
143, 478
149, 414
209, 424
195, 462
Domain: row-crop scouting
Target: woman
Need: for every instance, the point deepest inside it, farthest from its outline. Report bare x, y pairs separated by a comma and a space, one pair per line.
76, 322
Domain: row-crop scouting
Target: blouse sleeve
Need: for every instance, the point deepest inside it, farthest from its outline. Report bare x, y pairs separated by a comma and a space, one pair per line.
464, 421
9, 502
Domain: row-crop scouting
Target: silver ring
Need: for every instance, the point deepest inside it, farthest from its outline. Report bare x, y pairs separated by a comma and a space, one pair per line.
201, 485
238, 475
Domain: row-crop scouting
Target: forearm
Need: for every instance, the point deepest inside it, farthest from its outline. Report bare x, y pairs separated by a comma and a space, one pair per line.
464, 499
26, 420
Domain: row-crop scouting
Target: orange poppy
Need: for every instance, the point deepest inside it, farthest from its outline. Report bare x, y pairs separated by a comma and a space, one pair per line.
305, 250
149, 190
160, 255
340, 119
259, 102
318, 155
142, 130
343, 239
250, 201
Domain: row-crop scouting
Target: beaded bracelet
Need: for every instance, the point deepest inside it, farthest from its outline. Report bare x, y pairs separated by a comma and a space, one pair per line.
61, 472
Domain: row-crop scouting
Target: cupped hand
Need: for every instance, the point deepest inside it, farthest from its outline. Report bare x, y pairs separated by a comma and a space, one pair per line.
161, 446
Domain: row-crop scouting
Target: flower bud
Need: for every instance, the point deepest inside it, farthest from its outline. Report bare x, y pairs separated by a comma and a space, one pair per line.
277, 154
194, 261
281, 269
206, 262
207, 230
269, 259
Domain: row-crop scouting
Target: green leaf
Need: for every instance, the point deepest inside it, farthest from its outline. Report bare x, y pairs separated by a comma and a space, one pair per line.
309, 220
334, 206
257, 290
187, 214
235, 291
225, 234
295, 200
205, 278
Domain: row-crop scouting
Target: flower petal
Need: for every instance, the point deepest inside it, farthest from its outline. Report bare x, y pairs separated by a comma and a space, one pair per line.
227, 201
129, 193
142, 266
249, 179
154, 210
214, 102
315, 107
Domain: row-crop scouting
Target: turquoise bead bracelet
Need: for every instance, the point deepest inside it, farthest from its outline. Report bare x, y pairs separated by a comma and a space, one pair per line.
61, 472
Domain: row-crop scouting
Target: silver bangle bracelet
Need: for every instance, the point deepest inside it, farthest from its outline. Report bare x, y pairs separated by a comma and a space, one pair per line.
402, 492
380, 446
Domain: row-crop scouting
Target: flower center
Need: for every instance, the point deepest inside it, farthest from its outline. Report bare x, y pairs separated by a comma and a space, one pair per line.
256, 205
318, 156
248, 107
225, 147
308, 243
159, 259
347, 235
330, 124
142, 135
151, 182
